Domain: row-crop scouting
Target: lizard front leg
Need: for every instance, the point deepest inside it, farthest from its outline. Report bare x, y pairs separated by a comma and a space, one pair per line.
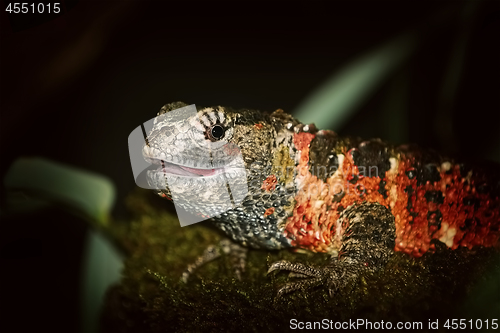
237, 255
367, 244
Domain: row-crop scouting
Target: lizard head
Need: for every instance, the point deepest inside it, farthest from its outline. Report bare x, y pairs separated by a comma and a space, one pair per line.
209, 160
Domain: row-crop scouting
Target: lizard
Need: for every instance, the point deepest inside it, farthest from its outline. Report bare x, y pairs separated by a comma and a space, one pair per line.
358, 200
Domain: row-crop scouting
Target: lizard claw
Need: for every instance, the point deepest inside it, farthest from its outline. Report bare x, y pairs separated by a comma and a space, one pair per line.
312, 276
367, 244
293, 286
296, 268
333, 276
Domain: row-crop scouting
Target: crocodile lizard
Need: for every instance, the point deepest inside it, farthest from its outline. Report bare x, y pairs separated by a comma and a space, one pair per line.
358, 200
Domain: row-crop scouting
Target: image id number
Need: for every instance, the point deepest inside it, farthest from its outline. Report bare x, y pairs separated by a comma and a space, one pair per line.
33, 8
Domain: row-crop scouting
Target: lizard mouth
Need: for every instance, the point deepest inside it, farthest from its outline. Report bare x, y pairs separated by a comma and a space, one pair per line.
180, 170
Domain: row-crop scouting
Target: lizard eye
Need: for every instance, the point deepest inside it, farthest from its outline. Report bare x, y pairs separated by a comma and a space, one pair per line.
217, 132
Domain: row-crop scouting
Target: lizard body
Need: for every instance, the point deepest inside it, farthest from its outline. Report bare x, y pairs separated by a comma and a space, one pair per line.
310, 189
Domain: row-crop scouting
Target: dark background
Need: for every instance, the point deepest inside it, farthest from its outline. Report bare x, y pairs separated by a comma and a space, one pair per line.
74, 85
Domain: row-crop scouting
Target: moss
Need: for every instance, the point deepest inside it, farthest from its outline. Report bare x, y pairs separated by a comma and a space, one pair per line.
151, 297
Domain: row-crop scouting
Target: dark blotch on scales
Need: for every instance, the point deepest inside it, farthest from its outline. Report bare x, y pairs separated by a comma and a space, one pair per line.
434, 196
374, 157
428, 173
322, 155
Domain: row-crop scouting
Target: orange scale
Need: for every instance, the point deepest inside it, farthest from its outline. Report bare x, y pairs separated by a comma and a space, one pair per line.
407, 250
309, 215
419, 243
491, 240
469, 238
484, 232
418, 254
432, 206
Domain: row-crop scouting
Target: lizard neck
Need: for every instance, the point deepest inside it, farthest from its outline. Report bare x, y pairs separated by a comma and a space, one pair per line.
260, 219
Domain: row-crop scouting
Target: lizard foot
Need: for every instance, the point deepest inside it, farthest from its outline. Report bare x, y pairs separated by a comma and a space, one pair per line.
367, 245
237, 256
333, 276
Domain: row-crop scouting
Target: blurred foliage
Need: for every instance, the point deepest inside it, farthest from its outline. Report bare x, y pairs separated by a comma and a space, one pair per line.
335, 100
416, 87
34, 183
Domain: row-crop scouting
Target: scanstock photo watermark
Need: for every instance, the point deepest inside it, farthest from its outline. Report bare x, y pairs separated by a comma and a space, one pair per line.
175, 154
364, 324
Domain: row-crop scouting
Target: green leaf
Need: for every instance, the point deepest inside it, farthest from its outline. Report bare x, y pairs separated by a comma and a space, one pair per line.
332, 103
36, 182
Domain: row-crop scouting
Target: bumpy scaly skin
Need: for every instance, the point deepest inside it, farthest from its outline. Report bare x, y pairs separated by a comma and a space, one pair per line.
357, 200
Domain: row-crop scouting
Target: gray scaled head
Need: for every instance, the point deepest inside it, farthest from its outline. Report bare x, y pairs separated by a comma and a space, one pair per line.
198, 162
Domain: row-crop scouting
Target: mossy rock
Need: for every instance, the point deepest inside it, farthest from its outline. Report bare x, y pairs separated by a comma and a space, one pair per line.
152, 298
